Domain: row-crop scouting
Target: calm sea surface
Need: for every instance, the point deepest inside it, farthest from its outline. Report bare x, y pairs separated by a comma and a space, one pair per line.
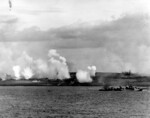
72, 102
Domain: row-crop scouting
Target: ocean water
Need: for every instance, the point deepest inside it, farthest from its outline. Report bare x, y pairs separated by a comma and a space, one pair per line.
72, 102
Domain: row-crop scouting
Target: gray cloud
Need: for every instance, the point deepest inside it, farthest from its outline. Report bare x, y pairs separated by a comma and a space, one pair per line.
118, 45
38, 11
8, 25
129, 29
6, 19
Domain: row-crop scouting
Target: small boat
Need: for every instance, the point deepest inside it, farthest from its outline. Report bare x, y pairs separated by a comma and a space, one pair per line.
120, 88
111, 89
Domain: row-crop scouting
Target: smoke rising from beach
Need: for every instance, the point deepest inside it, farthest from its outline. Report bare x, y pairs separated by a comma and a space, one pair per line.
27, 73
55, 68
86, 76
83, 76
58, 64
16, 70
92, 70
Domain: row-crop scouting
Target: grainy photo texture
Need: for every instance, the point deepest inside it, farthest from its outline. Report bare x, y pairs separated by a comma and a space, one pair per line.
74, 59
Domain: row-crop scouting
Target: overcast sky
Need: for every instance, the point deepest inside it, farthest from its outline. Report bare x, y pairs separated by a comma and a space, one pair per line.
56, 13
110, 34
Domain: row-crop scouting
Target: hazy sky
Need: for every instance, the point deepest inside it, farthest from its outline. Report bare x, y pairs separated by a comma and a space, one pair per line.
55, 13
111, 34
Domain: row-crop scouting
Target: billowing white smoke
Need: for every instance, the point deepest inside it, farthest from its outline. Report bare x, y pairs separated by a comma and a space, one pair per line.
41, 69
86, 76
59, 65
16, 70
23, 67
92, 70
27, 73
83, 76
55, 68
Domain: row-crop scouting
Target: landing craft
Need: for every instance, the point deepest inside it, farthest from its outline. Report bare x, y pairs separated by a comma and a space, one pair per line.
120, 88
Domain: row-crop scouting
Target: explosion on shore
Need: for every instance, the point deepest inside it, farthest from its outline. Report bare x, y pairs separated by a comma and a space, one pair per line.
86, 76
54, 70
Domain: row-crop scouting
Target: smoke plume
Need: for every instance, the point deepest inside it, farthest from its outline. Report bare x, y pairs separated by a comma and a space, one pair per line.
92, 70
86, 76
27, 73
16, 70
55, 68
59, 65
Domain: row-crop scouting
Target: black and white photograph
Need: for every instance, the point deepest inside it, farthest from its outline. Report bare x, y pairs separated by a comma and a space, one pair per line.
74, 58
